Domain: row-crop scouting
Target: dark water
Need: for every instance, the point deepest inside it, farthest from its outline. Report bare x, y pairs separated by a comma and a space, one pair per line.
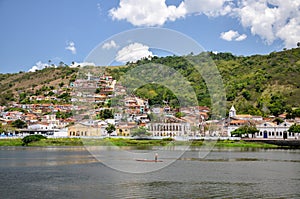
71, 172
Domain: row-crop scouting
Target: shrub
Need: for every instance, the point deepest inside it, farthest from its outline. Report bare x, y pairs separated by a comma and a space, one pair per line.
32, 138
168, 139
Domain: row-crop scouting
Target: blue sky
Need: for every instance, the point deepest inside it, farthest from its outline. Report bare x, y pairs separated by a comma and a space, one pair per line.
35, 31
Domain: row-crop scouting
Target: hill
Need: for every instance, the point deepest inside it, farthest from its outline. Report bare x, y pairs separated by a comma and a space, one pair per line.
16, 87
258, 84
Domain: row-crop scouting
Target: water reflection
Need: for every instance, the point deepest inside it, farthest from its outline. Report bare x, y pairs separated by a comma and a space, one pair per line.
44, 156
72, 172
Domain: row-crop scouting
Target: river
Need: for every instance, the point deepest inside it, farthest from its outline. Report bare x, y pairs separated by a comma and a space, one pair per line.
72, 172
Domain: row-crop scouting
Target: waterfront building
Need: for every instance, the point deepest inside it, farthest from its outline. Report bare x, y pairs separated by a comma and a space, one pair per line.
84, 130
171, 126
272, 130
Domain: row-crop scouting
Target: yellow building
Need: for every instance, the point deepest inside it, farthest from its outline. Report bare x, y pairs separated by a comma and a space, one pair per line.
124, 130
83, 130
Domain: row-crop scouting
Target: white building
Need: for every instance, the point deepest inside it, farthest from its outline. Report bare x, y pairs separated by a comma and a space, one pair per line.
272, 130
169, 129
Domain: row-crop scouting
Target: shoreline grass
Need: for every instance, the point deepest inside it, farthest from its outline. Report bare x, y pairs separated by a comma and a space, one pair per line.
135, 143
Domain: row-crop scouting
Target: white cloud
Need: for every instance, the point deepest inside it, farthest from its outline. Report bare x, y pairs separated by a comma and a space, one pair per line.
271, 19
133, 52
81, 64
99, 7
241, 37
157, 12
208, 7
39, 66
232, 36
290, 33
109, 45
268, 19
147, 13
71, 47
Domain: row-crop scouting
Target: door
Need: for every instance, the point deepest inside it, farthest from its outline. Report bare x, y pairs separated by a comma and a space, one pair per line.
284, 135
265, 134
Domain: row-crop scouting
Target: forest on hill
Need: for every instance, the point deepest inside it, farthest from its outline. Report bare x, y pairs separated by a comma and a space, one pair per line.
257, 84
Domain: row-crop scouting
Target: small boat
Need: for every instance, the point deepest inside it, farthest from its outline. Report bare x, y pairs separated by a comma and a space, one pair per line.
146, 160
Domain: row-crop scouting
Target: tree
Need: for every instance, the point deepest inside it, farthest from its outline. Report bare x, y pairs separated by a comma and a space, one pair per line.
32, 138
278, 120
61, 84
294, 128
298, 44
98, 90
246, 94
140, 132
245, 130
105, 114
19, 124
179, 114
61, 64
110, 128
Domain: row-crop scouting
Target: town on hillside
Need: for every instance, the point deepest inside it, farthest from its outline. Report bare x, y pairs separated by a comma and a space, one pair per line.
99, 106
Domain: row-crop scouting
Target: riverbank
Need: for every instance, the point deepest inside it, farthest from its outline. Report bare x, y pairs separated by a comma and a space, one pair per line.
138, 143
293, 143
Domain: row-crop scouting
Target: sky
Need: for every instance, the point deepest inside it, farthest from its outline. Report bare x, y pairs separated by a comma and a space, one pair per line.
36, 33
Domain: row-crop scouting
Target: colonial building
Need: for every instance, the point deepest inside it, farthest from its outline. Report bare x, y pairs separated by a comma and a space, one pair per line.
171, 126
84, 130
272, 130
124, 130
235, 124
235, 121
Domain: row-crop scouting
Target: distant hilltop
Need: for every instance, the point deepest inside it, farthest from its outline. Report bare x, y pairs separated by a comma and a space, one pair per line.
257, 84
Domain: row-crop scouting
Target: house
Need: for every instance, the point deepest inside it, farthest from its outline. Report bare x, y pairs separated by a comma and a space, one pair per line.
135, 105
40, 126
124, 130
235, 124
236, 121
13, 115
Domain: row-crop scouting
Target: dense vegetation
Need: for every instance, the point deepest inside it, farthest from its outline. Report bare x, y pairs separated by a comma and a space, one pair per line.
138, 143
244, 130
32, 138
258, 84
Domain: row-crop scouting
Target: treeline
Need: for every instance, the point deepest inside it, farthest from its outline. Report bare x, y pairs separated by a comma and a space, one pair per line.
258, 85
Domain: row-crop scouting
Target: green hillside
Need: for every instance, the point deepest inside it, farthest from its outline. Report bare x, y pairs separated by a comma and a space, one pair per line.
258, 84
